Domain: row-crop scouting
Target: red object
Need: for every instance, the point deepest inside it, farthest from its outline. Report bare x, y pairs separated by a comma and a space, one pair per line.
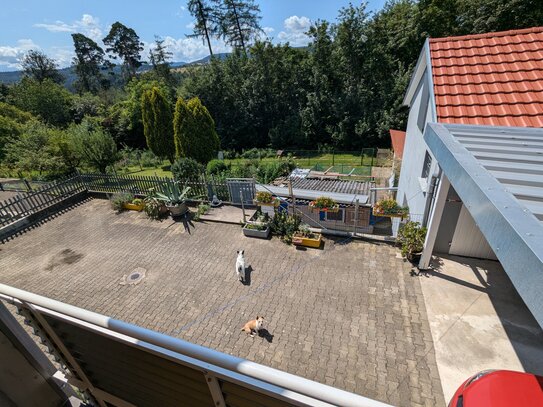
398, 141
500, 388
491, 79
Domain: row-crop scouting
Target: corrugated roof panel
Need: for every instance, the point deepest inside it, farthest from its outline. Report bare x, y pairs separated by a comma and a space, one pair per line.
489, 79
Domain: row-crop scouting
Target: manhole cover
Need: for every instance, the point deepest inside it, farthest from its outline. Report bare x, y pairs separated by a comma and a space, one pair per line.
133, 278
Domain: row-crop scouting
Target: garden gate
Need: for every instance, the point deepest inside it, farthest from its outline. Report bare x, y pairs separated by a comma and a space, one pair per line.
241, 190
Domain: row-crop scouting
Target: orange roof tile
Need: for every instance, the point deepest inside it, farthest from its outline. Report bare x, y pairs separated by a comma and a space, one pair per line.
398, 141
489, 79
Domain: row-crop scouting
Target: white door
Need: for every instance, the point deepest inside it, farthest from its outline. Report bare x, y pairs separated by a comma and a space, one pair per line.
468, 240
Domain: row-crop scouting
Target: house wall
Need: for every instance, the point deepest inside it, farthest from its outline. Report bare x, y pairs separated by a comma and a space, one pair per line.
313, 219
448, 222
468, 239
410, 191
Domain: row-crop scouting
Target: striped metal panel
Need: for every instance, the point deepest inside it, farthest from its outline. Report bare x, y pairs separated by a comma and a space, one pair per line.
130, 373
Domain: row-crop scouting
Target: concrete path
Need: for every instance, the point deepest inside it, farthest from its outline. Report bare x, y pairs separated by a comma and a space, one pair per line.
478, 321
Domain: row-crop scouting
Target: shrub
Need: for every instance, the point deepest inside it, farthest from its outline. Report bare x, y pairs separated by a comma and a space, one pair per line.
284, 225
201, 210
323, 202
389, 206
186, 168
119, 199
267, 172
216, 167
411, 238
264, 197
152, 207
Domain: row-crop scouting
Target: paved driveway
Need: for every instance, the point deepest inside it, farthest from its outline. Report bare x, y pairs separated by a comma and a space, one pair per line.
350, 315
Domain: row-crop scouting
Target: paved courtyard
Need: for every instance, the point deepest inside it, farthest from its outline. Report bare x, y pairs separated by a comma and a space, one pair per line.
350, 315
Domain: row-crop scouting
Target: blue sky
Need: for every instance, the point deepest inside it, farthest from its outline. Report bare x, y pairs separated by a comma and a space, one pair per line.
48, 25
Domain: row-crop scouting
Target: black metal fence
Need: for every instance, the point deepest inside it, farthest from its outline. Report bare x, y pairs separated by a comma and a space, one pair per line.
27, 203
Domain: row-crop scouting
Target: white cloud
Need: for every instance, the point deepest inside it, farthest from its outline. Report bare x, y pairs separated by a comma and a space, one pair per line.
187, 49
191, 25
294, 31
10, 56
87, 25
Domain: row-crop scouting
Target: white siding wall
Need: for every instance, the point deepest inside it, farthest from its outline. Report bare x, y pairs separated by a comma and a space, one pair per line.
409, 188
468, 239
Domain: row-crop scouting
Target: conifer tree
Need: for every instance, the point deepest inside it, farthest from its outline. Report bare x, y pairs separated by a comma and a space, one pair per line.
157, 123
194, 131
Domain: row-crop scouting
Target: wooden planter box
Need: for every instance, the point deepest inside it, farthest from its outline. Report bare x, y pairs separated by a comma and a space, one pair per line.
317, 209
275, 203
134, 207
299, 240
262, 234
389, 215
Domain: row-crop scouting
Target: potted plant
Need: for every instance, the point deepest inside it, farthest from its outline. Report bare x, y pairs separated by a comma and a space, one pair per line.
266, 202
284, 225
136, 204
305, 237
258, 226
411, 239
324, 204
390, 208
174, 198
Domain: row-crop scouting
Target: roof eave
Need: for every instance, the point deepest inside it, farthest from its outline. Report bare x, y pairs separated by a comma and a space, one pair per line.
422, 63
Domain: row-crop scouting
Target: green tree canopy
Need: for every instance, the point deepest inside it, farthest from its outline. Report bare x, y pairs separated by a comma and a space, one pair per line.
46, 99
194, 131
239, 22
96, 148
88, 62
157, 123
123, 42
206, 17
38, 66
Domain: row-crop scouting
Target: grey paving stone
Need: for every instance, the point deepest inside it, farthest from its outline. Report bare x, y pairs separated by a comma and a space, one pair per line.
349, 315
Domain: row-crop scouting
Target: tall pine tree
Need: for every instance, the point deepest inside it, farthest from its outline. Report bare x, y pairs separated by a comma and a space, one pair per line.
239, 22
88, 61
123, 42
207, 20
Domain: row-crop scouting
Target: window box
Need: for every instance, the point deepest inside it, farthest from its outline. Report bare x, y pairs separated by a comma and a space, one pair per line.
299, 239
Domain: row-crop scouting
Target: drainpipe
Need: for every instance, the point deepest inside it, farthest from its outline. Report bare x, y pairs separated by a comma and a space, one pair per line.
434, 182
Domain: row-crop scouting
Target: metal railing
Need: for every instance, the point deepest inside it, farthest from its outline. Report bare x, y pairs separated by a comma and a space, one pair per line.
62, 326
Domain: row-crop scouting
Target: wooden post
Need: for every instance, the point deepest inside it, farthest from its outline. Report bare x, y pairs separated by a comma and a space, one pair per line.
291, 196
242, 204
356, 210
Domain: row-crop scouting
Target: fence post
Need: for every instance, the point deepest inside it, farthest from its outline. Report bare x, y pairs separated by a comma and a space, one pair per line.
333, 157
356, 210
242, 204
28, 187
1, 187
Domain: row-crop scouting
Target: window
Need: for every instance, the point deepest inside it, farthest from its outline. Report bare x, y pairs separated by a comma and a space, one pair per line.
337, 216
423, 107
426, 166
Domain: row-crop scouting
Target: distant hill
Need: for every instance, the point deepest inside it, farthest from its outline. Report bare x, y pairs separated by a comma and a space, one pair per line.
70, 76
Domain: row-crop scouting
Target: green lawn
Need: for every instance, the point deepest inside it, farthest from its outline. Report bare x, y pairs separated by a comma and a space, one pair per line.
341, 163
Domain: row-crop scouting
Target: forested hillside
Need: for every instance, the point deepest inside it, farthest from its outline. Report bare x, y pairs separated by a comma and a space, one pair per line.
344, 90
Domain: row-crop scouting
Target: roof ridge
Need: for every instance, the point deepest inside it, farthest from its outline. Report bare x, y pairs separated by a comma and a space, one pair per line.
488, 35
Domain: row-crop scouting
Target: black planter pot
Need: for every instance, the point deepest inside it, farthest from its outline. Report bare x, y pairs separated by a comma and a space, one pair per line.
178, 210
414, 257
